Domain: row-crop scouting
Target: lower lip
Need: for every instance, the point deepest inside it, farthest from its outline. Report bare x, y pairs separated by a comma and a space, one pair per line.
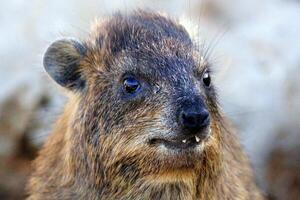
177, 145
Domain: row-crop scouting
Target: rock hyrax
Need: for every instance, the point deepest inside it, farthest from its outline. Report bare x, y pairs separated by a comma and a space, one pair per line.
142, 121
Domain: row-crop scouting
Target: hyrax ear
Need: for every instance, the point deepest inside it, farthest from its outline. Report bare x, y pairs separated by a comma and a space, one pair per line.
61, 61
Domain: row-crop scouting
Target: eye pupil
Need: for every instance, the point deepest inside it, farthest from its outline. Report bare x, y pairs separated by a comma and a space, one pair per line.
131, 85
206, 79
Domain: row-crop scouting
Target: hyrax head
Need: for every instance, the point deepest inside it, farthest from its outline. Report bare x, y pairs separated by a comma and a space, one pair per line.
145, 97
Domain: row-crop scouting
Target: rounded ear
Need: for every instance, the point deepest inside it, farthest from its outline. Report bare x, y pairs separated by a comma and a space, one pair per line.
61, 62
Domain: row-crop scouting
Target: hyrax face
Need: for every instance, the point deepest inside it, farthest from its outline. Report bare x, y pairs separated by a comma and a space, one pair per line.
145, 97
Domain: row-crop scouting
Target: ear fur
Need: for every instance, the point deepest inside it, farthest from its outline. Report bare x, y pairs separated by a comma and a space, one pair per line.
61, 62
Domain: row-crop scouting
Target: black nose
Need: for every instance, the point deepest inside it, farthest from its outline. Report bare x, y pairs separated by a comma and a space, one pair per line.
194, 119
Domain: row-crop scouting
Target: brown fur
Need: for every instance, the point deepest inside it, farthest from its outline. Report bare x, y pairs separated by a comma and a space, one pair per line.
97, 149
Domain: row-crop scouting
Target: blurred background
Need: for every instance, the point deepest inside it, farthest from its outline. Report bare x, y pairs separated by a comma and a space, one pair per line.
254, 46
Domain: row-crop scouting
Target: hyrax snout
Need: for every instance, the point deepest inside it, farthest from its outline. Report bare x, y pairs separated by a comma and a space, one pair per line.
193, 116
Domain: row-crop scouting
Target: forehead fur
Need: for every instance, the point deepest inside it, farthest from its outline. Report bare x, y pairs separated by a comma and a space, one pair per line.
143, 31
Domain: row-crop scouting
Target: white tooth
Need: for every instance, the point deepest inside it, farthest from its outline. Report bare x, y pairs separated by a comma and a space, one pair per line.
197, 139
184, 141
209, 130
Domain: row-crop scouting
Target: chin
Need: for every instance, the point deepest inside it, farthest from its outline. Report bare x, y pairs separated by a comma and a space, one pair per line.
182, 157
175, 164
181, 151
178, 157
170, 157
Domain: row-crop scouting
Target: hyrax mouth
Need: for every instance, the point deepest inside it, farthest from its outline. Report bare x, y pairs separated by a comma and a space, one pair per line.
178, 143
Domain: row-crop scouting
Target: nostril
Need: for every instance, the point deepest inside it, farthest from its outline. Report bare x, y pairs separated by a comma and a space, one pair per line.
203, 119
189, 119
193, 119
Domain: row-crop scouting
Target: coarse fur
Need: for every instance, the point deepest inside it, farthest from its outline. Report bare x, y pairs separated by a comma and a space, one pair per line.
100, 146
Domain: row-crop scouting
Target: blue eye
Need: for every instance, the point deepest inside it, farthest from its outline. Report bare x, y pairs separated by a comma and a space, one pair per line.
131, 85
